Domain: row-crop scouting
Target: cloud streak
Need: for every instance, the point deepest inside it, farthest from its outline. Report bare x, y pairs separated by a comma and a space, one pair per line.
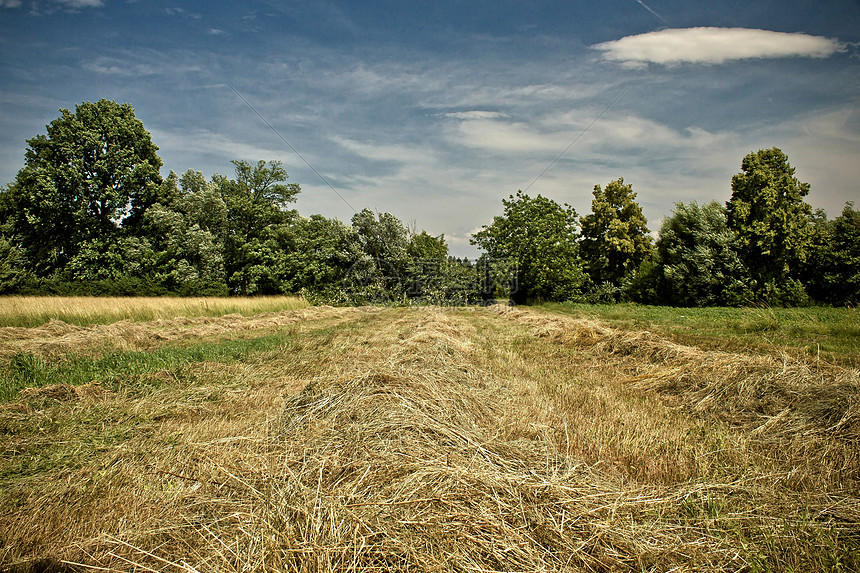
714, 46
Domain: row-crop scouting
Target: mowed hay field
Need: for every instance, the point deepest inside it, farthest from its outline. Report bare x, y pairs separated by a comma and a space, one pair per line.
419, 439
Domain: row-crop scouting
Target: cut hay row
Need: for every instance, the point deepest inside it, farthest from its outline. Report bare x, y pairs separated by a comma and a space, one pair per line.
424, 463
772, 396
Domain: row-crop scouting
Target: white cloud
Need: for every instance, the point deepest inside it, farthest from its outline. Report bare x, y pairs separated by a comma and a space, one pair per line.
125, 67
81, 3
398, 153
477, 114
202, 141
714, 46
511, 137
554, 133
10, 3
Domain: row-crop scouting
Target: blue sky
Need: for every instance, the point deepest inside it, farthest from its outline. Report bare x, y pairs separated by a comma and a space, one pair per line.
435, 111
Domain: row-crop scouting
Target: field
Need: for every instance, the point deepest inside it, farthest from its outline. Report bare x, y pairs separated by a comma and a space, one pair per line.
426, 439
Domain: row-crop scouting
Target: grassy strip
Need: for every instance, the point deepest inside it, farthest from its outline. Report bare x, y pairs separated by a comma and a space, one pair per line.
31, 311
829, 333
127, 368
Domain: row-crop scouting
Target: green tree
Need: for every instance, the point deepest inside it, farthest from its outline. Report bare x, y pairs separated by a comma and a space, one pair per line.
424, 246
540, 237
833, 268
93, 169
771, 220
321, 255
428, 270
384, 239
256, 203
615, 239
697, 262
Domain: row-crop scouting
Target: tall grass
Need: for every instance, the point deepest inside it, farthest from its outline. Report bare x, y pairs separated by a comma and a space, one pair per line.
30, 311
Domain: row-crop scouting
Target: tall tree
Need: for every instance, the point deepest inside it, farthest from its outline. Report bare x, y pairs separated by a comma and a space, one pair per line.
696, 258
540, 237
383, 271
615, 237
322, 253
768, 214
94, 168
256, 204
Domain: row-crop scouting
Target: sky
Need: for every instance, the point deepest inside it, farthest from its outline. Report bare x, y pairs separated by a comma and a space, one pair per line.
435, 111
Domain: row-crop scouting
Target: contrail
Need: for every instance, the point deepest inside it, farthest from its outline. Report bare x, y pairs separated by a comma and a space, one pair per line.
324, 180
658, 16
578, 137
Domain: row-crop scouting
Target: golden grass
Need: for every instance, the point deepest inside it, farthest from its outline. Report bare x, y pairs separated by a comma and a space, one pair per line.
443, 440
29, 311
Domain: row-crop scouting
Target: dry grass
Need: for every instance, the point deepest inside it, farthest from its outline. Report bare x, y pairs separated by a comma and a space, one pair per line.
57, 338
443, 440
31, 311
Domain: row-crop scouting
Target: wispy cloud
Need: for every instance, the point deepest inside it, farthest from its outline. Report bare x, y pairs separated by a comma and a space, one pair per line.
714, 46
477, 114
127, 67
81, 3
203, 141
375, 152
493, 133
70, 4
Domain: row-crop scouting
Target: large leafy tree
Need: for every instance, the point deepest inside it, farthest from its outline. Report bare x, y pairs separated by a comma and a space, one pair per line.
322, 253
256, 202
697, 263
429, 268
615, 237
768, 214
540, 237
93, 169
384, 240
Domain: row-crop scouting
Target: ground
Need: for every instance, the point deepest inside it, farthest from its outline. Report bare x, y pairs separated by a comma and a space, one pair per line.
419, 439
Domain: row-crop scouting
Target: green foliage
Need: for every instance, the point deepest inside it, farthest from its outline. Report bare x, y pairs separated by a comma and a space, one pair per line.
321, 254
13, 267
256, 206
90, 214
615, 239
833, 269
381, 274
771, 221
697, 261
425, 247
540, 237
92, 169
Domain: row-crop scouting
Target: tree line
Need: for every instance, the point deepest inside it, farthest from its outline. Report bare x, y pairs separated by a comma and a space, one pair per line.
89, 213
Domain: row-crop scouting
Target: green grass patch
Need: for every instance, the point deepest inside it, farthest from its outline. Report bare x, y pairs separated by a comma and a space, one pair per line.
833, 334
129, 371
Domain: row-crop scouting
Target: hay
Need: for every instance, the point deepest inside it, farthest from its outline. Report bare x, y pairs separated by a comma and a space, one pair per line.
59, 393
413, 447
775, 398
411, 467
57, 338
